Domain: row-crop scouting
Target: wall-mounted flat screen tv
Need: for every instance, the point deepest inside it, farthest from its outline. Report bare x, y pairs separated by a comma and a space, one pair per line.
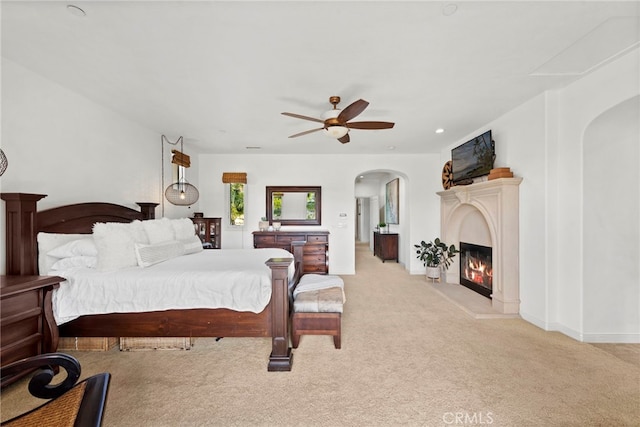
474, 158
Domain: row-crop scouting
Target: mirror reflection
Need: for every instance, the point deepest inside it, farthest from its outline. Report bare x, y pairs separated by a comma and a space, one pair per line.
294, 205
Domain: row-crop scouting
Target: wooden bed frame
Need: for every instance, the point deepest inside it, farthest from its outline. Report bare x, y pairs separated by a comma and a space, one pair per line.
23, 222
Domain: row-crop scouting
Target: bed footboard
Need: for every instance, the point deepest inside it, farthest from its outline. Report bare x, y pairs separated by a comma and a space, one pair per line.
280, 358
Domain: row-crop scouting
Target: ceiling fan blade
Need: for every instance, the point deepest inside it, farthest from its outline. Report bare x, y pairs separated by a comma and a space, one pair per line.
370, 125
298, 116
344, 139
352, 110
305, 132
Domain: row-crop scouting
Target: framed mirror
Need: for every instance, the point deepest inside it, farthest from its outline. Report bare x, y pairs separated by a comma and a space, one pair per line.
294, 205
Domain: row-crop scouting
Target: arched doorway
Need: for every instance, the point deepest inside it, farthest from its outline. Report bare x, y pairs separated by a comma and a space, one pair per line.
610, 220
370, 189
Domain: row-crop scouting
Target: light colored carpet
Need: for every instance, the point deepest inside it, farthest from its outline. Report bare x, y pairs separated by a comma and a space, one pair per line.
409, 357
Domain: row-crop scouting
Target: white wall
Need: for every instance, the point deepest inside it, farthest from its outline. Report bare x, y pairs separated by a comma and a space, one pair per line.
62, 144
610, 227
543, 142
420, 219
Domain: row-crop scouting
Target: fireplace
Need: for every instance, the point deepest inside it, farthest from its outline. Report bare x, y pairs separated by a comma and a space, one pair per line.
476, 272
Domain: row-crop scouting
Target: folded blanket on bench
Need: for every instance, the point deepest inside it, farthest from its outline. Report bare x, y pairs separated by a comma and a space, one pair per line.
316, 282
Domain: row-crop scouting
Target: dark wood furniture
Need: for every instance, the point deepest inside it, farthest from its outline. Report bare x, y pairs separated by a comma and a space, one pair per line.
385, 246
315, 251
71, 403
316, 324
79, 218
27, 326
209, 231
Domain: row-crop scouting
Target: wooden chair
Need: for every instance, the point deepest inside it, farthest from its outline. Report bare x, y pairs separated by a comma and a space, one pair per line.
70, 404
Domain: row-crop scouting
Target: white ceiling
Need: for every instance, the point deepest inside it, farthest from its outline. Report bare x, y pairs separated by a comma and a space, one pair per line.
220, 73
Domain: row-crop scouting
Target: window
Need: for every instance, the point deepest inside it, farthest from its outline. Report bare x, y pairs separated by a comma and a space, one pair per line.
236, 203
236, 196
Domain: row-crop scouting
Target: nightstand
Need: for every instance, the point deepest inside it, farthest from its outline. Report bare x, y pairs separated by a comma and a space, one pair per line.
27, 326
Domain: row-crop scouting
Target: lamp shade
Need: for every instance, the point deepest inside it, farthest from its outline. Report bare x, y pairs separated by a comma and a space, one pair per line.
181, 194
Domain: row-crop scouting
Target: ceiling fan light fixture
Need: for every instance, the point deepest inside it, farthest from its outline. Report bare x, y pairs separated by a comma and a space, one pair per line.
336, 131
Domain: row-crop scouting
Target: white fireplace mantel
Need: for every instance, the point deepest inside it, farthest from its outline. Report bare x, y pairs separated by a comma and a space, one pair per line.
498, 203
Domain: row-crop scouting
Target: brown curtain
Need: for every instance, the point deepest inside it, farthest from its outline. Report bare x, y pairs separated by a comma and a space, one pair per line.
180, 159
234, 177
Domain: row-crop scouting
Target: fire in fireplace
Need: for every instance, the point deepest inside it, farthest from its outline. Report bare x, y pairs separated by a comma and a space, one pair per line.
475, 268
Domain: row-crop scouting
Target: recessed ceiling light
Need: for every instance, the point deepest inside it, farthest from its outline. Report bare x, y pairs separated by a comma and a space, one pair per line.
391, 147
449, 9
439, 130
75, 10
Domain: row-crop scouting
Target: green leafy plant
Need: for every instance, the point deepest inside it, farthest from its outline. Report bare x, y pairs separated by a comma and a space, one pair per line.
435, 253
382, 225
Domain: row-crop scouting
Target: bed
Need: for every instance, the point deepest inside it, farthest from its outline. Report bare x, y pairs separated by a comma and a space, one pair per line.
24, 222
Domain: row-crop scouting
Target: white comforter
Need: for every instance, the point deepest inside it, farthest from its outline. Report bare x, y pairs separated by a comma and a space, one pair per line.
236, 279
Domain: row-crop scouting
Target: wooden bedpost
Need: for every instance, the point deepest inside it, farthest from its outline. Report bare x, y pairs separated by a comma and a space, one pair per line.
21, 222
148, 209
281, 357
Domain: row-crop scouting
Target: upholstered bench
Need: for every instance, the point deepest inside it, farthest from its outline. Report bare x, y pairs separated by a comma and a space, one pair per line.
318, 301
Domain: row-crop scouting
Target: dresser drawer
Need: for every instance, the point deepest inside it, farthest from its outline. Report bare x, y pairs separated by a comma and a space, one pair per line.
20, 329
314, 258
315, 249
18, 303
317, 238
21, 349
264, 241
315, 268
288, 238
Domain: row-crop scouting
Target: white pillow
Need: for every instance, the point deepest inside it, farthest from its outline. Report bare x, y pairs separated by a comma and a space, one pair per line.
80, 247
192, 245
183, 228
49, 241
75, 261
116, 244
152, 254
159, 230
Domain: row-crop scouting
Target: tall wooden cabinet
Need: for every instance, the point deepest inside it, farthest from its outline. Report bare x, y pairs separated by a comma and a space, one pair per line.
315, 252
385, 246
209, 230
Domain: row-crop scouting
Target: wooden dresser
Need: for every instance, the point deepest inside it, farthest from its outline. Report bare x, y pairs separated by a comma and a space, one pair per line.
209, 230
385, 246
315, 251
27, 326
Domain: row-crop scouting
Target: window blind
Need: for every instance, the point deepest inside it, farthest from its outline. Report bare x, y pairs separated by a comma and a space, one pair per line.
180, 159
234, 177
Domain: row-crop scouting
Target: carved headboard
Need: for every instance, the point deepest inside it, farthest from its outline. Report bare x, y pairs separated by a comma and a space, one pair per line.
24, 222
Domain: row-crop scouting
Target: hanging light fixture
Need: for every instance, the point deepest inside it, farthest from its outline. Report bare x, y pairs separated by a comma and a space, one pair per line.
180, 193
4, 163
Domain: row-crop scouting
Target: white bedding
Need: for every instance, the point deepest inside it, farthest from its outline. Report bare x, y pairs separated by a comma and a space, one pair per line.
236, 279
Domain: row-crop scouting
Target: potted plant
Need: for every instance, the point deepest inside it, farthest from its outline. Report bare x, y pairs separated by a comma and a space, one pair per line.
435, 255
381, 226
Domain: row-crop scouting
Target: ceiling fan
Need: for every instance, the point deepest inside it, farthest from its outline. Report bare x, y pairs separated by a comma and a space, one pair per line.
336, 122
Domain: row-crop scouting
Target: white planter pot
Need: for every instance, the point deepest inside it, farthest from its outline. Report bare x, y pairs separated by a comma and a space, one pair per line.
263, 225
433, 272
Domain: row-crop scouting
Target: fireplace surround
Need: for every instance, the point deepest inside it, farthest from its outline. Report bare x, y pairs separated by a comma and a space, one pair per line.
496, 202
